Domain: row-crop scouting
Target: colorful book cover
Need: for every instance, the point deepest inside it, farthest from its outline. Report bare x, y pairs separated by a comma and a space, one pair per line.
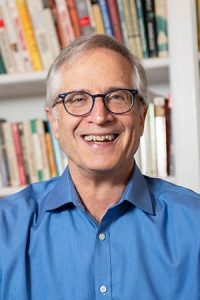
84, 17
2, 66
71, 4
122, 21
3, 158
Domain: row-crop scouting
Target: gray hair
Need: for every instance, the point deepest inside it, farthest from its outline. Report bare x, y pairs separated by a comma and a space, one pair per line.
78, 47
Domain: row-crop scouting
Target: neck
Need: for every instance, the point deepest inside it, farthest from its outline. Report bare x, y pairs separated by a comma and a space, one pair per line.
98, 192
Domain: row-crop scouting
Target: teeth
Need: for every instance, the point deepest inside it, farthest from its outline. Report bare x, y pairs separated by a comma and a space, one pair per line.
99, 138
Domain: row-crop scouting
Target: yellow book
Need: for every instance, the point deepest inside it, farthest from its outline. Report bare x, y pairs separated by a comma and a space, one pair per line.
29, 35
99, 28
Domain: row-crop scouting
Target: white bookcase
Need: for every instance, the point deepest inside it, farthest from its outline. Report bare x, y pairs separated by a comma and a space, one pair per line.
23, 96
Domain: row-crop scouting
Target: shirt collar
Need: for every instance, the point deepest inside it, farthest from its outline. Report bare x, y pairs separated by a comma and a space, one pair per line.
136, 192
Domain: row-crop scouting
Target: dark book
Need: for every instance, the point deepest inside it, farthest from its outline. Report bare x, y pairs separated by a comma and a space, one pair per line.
150, 25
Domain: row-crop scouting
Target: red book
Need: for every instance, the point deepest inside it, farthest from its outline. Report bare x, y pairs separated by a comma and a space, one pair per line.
19, 153
74, 16
115, 20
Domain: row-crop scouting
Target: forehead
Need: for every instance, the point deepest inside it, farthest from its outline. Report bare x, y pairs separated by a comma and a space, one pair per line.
97, 66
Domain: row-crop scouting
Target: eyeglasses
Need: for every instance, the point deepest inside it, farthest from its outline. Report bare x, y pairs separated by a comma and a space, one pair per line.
80, 103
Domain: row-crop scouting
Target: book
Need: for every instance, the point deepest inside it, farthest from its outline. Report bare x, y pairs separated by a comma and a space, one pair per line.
106, 17
122, 21
115, 20
198, 21
50, 153
30, 151
142, 28
99, 27
129, 26
11, 154
6, 52
18, 153
161, 27
29, 36
5, 177
71, 4
136, 31
12, 37
17, 26
84, 15
2, 66
150, 23
24, 151
64, 23
161, 143
36, 13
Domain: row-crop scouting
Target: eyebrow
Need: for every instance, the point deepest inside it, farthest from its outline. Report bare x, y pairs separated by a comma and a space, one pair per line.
109, 89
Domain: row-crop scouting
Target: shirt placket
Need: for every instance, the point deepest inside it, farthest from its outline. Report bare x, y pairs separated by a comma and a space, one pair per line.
103, 264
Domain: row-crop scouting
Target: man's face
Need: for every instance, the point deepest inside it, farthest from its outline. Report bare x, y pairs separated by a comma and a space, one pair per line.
99, 71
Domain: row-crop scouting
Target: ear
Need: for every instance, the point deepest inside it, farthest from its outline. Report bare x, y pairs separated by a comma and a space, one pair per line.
53, 121
143, 113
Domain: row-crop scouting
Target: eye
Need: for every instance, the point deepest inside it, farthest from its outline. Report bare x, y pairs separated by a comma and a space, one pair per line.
117, 97
77, 99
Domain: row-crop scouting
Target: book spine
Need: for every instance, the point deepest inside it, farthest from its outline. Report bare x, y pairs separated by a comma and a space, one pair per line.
161, 143
2, 66
129, 26
29, 35
35, 10
122, 21
50, 154
11, 154
161, 27
44, 158
37, 150
136, 32
19, 153
50, 28
28, 141
5, 48
149, 13
66, 29
24, 151
115, 20
12, 37
71, 4
3, 158
20, 35
143, 33
106, 17
84, 17
99, 27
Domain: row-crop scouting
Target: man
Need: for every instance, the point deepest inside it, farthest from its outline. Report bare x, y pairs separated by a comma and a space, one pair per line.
102, 230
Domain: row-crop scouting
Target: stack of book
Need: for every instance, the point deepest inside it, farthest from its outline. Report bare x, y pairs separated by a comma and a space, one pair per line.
32, 32
29, 152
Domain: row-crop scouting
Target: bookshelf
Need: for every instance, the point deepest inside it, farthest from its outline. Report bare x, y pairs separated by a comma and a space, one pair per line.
24, 94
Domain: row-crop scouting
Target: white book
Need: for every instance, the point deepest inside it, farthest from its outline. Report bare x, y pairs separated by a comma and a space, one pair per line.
161, 143
50, 28
17, 26
6, 52
35, 9
12, 37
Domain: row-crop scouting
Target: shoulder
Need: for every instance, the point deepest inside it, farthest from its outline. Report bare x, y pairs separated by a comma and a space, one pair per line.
173, 196
25, 203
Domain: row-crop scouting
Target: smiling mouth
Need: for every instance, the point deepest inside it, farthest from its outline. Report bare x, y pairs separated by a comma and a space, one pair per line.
100, 138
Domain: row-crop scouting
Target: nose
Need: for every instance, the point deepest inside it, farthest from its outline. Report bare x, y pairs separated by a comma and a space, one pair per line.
99, 114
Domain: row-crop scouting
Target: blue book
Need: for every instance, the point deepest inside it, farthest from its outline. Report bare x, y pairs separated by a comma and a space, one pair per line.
106, 17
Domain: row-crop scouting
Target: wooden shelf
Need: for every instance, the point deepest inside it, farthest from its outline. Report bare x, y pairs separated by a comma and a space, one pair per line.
33, 84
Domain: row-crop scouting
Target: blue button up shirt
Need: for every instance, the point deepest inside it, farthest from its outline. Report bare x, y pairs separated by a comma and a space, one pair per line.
147, 246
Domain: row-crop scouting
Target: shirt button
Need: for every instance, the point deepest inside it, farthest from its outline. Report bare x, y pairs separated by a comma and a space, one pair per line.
102, 236
103, 289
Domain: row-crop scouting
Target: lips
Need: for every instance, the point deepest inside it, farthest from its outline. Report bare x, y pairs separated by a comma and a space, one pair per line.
100, 138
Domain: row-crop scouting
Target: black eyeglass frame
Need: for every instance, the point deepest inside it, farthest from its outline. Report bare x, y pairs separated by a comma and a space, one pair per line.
62, 96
